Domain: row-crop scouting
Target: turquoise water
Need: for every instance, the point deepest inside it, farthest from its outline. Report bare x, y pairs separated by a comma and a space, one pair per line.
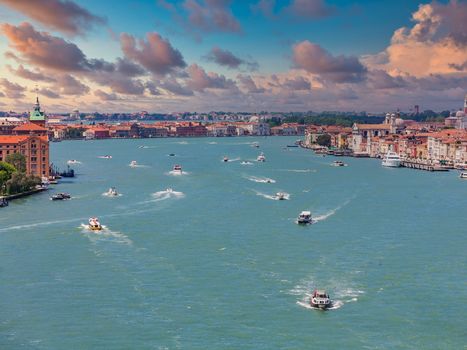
222, 265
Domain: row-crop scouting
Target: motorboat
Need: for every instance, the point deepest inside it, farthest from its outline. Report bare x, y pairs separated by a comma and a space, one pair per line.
463, 175
391, 160
304, 218
3, 202
60, 196
133, 164
94, 224
320, 299
255, 144
177, 168
107, 157
169, 190
112, 192
338, 163
72, 161
261, 158
281, 196
226, 159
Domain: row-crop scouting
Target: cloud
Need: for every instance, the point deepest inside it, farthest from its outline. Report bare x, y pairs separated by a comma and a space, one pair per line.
339, 69
173, 86
68, 85
12, 90
104, 96
62, 15
29, 74
200, 80
211, 15
435, 44
44, 50
152, 88
247, 83
156, 54
311, 8
228, 59
297, 84
48, 93
459, 67
379, 79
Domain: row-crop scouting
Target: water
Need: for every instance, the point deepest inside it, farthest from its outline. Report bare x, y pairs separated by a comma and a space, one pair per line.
214, 265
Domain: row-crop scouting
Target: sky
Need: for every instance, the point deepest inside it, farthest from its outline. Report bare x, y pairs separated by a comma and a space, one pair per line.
232, 55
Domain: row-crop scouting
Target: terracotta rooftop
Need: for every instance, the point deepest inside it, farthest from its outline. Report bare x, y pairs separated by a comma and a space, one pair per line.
29, 127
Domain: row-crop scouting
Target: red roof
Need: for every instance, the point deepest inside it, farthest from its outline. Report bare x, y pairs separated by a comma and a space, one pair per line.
14, 139
29, 127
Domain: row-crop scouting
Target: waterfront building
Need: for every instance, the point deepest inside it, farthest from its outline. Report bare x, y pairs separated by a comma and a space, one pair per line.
36, 116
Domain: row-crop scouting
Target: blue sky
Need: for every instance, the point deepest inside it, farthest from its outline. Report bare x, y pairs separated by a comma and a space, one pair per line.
308, 53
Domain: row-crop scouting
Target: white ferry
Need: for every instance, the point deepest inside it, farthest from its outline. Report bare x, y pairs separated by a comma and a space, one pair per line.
392, 160
261, 158
304, 218
94, 224
320, 299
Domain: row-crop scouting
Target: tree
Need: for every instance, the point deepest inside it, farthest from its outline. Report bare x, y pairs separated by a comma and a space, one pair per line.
20, 182
18, 160
324, 140
6, 171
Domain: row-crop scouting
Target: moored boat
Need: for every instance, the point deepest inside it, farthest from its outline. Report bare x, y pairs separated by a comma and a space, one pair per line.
3, 202
463, 175
320, 299
304, 218
391, 160
94, 224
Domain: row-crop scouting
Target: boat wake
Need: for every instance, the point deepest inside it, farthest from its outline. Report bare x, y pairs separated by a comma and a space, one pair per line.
105, 157
246, 163
182, 143
272, 197
167, 194
177, 173
231, 160
105, 234
331, 212
106, 194
212, 143
264, 180
138, 166
73, 161
37, 224
339, 295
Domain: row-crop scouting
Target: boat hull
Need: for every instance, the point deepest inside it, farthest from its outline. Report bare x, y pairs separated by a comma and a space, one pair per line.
391, 163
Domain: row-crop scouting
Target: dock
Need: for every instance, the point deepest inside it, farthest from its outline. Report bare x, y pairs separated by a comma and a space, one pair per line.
422, 166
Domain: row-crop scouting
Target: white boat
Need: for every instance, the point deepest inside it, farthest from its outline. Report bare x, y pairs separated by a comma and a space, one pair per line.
392, 160
169, 190
320, 299
133, 164
338, 163
463, 175
255, 144
261, 158
107, 157
72, 161
177, 168
226, 159
281, 196
304, 218
94, 224
112, 192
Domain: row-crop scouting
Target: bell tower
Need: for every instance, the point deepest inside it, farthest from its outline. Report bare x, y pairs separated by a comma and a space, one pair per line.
36, 116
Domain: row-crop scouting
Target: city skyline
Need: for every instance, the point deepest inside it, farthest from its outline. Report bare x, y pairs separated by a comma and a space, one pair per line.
195, 55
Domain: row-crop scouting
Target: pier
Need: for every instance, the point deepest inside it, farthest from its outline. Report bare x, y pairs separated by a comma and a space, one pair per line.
422, 166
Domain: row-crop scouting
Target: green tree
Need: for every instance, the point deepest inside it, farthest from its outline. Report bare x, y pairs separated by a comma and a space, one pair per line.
324, 140
6, 171
20, 182
18, 160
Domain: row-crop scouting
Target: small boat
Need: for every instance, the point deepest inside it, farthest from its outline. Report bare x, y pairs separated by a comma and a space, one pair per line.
304, 218
226, 159
177, 168
133, 164
169, 190
94, 224
72, 161
261, 158
60, 196
107, 157
338, 163
255, 144
172, 155
292, 146
3, 202
463, 175
112, 192
320, 300
281, 196
391, 160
